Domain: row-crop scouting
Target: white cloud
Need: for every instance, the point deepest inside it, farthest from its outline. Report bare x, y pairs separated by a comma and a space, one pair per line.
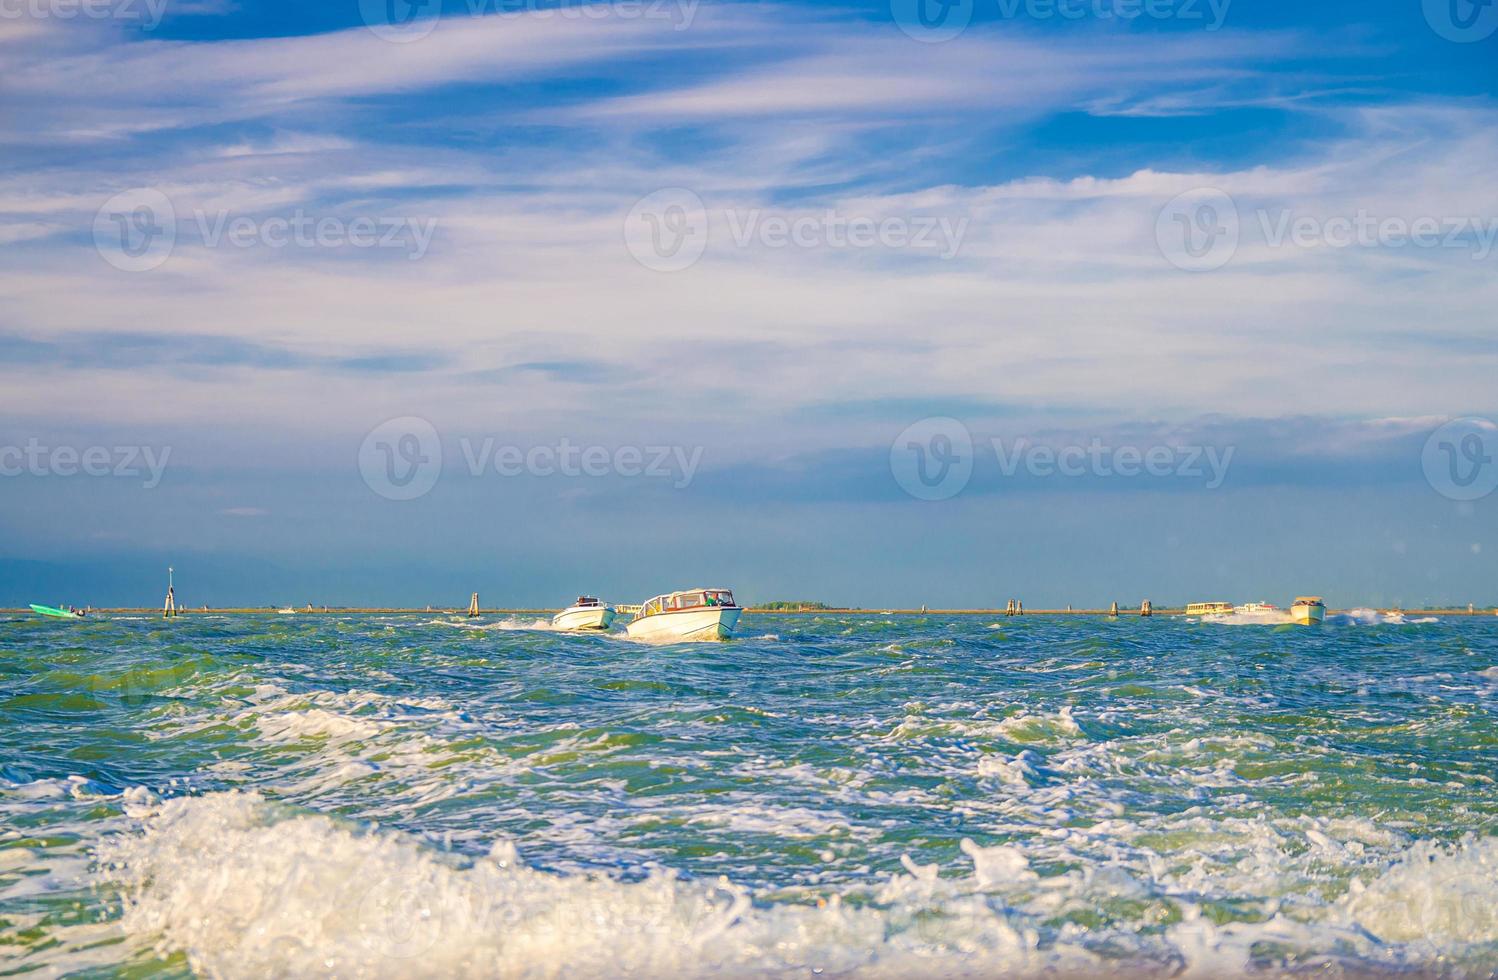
1059, 296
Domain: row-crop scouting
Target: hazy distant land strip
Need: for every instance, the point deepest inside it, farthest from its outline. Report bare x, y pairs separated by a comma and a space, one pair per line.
749, 610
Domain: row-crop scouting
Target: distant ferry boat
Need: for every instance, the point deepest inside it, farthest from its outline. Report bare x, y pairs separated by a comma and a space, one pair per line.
694, 614
1308, 610
587, 613
1257, 607
1210, 609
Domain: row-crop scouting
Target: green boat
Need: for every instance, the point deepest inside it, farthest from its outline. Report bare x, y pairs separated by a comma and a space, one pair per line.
58, 613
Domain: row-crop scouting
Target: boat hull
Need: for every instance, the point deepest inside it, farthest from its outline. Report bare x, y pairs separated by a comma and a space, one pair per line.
584, 618
53, 612
1308, 615
686, 624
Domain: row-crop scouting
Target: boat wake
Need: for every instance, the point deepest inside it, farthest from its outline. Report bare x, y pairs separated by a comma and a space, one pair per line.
504, 625
1353, 617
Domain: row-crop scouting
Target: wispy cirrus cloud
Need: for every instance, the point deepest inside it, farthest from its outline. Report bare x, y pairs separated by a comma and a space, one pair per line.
530, 295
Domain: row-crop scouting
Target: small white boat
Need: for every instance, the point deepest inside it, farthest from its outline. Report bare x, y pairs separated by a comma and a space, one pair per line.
587, 613
1308, 611
693, 614
288, 611
1256, 608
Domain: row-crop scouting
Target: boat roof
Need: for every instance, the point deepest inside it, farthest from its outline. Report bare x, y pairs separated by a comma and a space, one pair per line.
703, 588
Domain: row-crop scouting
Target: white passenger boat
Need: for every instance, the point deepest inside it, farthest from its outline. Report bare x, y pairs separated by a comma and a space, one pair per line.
1309, 610
693, 614
1256, 608
587, 613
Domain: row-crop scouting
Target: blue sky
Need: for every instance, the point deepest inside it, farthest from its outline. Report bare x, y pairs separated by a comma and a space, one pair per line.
771, 240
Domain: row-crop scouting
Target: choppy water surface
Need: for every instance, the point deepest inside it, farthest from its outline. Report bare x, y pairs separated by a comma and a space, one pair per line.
396, 796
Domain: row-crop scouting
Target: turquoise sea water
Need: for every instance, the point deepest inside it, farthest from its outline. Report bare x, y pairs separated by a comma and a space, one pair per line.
833, 795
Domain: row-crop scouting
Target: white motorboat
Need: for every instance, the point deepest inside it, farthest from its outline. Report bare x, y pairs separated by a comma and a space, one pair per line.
587, 613
693, 614
1256, 609
1308, 611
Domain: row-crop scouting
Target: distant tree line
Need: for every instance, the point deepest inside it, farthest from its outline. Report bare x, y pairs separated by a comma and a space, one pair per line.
792, 606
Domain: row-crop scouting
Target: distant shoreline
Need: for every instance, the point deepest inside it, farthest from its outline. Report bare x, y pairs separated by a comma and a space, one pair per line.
462, 613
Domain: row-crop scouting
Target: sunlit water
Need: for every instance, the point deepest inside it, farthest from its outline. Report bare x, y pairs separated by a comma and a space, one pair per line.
851, 794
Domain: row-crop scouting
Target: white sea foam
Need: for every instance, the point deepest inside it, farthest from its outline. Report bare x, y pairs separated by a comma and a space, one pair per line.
1433, 894
1017, 770
998, 865
508, 624
1372, 617
1278, 617
245, 888
1283, 617
315, 723
787, 822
